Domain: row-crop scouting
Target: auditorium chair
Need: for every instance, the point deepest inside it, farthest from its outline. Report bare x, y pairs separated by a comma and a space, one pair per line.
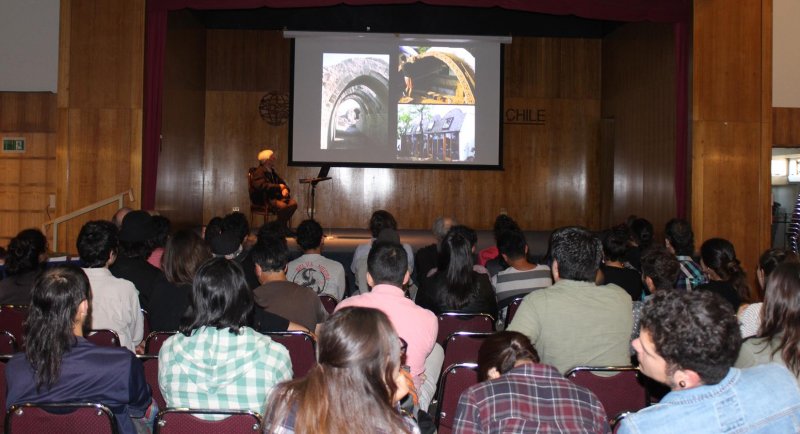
260, 209
62, 418
150, 364
455, 379
154, 341
11, 319
462, 347
512, 310
183, 421
302, 350
3, 360
103, 337
329, 302
451, 322
619, 393
8, 343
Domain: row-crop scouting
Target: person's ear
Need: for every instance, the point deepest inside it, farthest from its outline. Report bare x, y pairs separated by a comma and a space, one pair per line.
370, 280
407, 277
686, 379
492, 373
554, 269
258, 270
648, 282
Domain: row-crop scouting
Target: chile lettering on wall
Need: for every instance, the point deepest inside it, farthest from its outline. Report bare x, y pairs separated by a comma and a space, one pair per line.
525, 116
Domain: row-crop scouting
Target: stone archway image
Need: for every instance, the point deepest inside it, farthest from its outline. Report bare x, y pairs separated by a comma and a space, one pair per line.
355, 94
441, 77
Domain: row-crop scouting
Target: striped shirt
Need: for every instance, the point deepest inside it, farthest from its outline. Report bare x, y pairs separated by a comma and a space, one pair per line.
511, 283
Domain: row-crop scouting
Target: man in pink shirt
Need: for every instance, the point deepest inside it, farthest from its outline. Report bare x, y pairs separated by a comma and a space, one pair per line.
387, 272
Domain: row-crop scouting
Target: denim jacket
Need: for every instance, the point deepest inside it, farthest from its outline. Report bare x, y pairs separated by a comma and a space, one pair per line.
763, 399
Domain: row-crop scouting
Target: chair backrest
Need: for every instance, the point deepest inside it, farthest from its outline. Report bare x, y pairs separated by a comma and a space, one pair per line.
455, 379
11, 319
512, 309
154, 341
150, 364
618, 421
182, 421
145, 323
329, 302
451, 322
302, 350
8, 343
462, 347
619, 393
103, 337
3, 360
66, 418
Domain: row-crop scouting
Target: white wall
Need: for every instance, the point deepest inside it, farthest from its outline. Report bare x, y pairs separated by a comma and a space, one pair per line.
29, 45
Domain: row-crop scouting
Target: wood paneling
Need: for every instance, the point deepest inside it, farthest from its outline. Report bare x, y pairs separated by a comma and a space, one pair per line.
550, 176
179, 193
786, 126
639, 96
731, 129
99, 145
28, 111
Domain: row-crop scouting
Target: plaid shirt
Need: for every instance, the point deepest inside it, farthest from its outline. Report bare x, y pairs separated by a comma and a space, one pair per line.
690, 276
530, 398
216, 369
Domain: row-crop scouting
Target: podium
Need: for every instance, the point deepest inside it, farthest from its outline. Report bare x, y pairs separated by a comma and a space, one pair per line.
321, 176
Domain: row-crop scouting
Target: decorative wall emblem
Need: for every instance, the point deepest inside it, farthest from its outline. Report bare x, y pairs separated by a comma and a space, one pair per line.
274, 108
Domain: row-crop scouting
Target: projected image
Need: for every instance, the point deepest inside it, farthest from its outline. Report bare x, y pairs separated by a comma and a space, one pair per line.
355, 94
437, 75
435, 133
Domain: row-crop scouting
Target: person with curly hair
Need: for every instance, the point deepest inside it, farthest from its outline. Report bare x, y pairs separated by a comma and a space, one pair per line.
689, 342
27, 254
778, 340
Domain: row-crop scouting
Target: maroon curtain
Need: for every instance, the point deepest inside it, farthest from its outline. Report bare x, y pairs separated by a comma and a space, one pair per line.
674, 11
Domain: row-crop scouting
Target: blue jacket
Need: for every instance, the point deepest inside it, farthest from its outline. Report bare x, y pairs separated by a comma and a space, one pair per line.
764, 399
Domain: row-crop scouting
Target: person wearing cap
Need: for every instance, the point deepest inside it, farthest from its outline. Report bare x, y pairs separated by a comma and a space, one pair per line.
267, 186
135, 247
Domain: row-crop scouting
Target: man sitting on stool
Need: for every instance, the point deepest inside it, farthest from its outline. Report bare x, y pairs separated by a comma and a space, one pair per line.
267, 186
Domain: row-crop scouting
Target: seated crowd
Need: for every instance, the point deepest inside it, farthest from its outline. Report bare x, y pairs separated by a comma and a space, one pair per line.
615, 298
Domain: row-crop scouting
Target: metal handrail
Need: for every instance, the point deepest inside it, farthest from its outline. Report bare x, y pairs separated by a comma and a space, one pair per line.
119, 198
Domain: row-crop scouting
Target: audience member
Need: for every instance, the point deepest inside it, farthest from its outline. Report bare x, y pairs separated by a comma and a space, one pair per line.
456, 287
725, 274
778, 340
521, 277
516, 391
323, 275
59, 365
184, 253
689, 342
276, 294
615, 246
641, 231
679, 240
115, 303
159, 241
660, 269
575, 322
216, 361
27, 254
135, 246
355, 386
236, 224
750, 314
490, 256
387, 273
119, 215
379, 221
426, 258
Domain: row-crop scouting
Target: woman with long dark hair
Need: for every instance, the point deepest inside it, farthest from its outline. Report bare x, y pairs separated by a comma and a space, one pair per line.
456, 287
750, 314
27, 253
183, 254
725, 274
355, 386
217, 362
59, 365
778, 339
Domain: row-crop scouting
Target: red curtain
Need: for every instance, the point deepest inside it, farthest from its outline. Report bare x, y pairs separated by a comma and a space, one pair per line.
673, 11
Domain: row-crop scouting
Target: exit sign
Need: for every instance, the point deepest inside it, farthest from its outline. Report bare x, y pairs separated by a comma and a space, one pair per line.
13, 144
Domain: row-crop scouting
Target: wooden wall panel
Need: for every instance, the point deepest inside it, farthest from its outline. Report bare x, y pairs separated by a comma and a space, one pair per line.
99, 145
550, 175
786, 126
27, 179
731, 124
179, 191
639, 96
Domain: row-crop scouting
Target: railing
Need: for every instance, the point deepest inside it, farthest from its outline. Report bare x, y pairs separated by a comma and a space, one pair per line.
119, 198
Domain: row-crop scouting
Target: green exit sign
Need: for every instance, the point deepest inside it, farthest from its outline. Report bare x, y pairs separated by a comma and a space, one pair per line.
13, 144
